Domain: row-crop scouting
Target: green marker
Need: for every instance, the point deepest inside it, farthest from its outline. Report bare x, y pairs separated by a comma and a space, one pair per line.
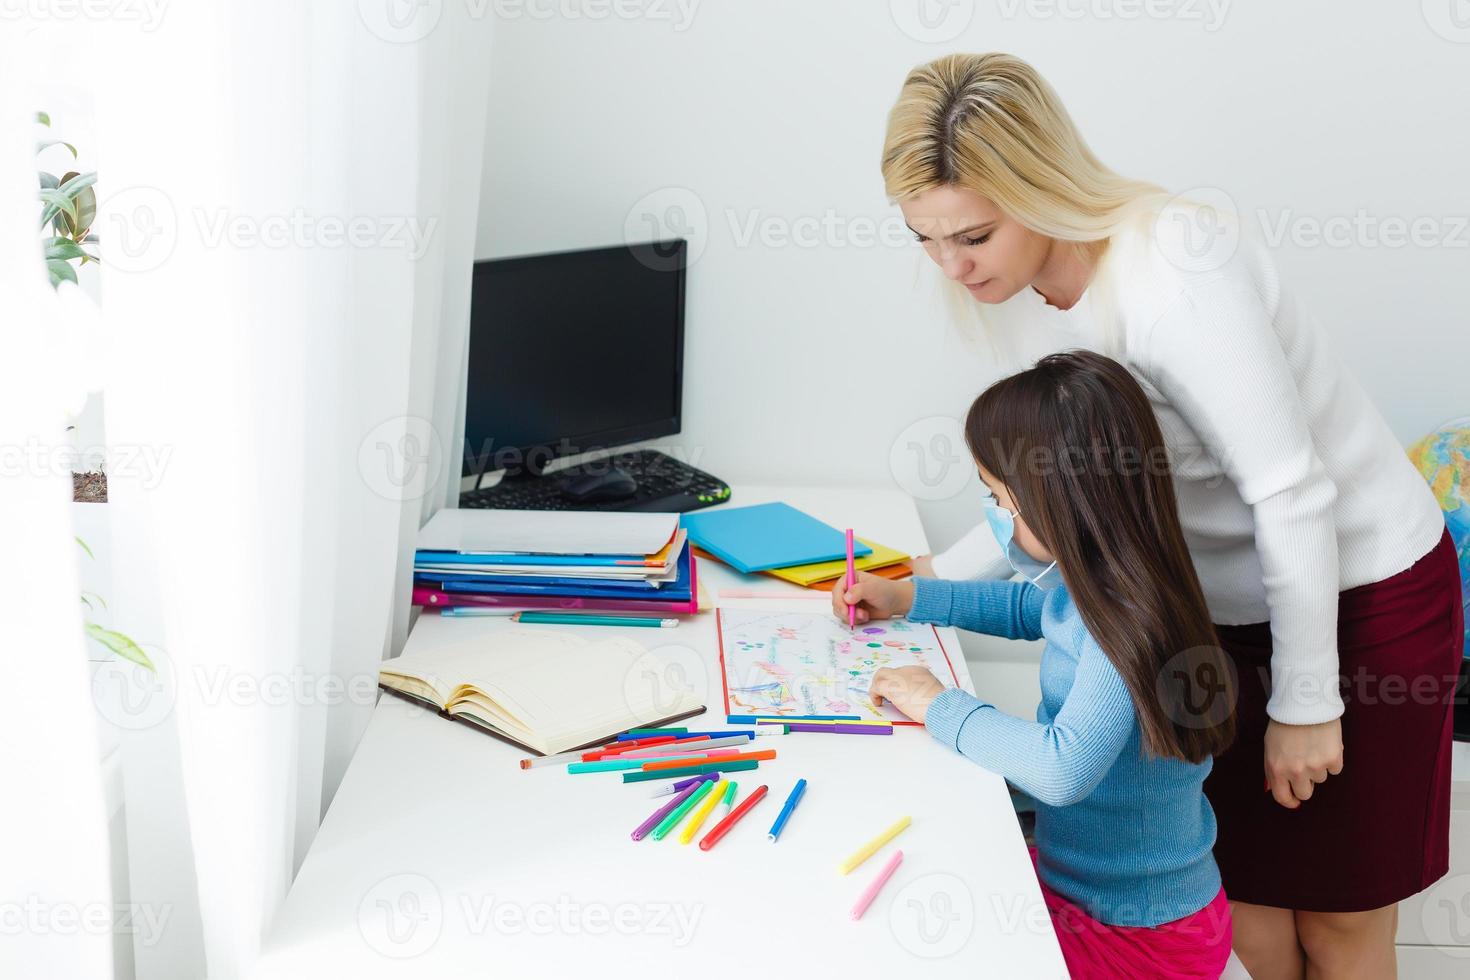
672, 820
728, 801
699, 770
657, 731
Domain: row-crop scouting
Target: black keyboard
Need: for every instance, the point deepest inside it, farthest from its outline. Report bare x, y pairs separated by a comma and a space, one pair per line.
664, 484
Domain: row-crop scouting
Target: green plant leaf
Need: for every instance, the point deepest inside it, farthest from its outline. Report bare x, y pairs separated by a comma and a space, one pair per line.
121, 645
49, 180
73, 183
84, 547
100, 601
63, 248
47, 144
43, 119
60, 272
86, 213
56, 201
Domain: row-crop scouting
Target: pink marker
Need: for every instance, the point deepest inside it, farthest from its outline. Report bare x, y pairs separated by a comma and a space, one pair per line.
851, 581
871, 892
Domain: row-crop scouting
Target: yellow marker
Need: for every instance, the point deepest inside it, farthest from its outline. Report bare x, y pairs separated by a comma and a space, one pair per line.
716, 794
802, 721
871, 847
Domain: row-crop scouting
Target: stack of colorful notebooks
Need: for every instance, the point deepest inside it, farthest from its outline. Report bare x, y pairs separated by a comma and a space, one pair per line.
779, 540
556, 560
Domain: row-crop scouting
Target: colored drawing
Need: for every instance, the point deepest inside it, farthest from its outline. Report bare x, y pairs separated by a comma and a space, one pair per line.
791, 663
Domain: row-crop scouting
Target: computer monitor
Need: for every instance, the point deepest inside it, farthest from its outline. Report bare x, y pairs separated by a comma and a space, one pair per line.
572, 352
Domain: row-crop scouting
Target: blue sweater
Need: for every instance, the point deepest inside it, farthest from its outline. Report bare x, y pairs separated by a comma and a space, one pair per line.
1126, 836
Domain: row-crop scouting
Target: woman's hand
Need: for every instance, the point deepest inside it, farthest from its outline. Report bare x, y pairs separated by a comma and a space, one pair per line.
923, 566
909, 689
875, 597
1298, 757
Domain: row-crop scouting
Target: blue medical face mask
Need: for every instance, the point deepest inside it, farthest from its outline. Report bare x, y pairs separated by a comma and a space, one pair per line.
1003, 525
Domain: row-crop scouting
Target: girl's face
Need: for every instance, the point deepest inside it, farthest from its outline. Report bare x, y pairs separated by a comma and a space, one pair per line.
1024, 538
974, 243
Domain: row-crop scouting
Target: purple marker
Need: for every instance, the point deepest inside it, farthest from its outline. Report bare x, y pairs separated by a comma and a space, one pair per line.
643, 828
668, 788
842, 729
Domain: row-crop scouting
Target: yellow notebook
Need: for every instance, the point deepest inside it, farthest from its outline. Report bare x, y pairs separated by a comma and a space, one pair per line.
807, 575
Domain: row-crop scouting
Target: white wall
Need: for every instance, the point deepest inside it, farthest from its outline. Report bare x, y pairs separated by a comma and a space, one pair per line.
806, 362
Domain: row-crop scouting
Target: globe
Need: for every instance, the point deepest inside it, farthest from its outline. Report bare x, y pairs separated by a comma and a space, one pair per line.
1443, 457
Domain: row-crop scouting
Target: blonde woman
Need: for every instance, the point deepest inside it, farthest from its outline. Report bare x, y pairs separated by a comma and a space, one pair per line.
1324, 558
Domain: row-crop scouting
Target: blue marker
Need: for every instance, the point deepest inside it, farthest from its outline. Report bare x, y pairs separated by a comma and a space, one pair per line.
791, 801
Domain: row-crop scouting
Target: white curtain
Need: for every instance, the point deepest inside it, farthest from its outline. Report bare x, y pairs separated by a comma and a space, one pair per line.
55, 907
287, 202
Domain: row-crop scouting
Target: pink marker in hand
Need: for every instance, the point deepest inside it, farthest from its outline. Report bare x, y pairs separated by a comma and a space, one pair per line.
851, 581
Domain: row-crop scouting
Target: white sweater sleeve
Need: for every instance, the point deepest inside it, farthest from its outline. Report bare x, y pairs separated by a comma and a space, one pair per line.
1215, 356
976, 555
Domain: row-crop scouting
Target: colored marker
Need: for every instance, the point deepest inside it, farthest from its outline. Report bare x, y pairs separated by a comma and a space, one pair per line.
575, 619
723, 827
672, 820
770, 729
552, 760
638, 732
718, 765
641, 831
696, 820
617, 762
728, 731
707, 745
842, 729
791, 801
728, 800
737, 757
782, 719
851, 581
671, 788
880, 722
871, 847
469, 611
871, 892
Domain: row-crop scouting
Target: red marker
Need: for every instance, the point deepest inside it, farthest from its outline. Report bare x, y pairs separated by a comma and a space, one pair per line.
723, 827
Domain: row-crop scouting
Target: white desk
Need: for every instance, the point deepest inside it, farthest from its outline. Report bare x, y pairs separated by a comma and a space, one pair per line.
439, 857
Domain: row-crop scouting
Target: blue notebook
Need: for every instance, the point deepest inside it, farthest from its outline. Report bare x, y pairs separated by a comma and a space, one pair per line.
753, 539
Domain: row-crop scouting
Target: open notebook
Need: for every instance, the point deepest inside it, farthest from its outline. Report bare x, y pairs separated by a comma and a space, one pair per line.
546, 691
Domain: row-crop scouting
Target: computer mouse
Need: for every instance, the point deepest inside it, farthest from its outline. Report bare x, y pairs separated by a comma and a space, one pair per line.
614, 484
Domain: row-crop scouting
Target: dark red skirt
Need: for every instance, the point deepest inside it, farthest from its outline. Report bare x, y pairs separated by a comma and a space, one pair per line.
1378, 832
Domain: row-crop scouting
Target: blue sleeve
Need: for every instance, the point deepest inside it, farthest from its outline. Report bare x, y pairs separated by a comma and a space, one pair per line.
1058, 763
1009, 609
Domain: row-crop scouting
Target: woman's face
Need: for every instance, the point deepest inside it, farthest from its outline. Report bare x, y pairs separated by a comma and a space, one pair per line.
974, 243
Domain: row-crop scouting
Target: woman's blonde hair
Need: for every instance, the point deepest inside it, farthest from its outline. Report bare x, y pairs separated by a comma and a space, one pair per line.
990, 123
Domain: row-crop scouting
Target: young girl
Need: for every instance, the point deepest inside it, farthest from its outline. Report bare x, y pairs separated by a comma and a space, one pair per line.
1136, 694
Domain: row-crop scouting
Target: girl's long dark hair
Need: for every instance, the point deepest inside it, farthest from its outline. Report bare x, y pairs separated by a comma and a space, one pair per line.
1075, 441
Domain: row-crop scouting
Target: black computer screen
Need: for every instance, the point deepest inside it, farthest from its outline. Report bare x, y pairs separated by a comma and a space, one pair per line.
573, 351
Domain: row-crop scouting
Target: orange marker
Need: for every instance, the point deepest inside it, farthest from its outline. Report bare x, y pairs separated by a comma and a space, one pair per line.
737, 757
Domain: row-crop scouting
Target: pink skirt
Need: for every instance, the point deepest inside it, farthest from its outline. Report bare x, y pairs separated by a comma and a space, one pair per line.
1196, 946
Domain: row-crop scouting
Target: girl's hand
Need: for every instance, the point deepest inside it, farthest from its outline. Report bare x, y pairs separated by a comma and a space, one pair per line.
1298, 757
923, 566
875, 597
909, 689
